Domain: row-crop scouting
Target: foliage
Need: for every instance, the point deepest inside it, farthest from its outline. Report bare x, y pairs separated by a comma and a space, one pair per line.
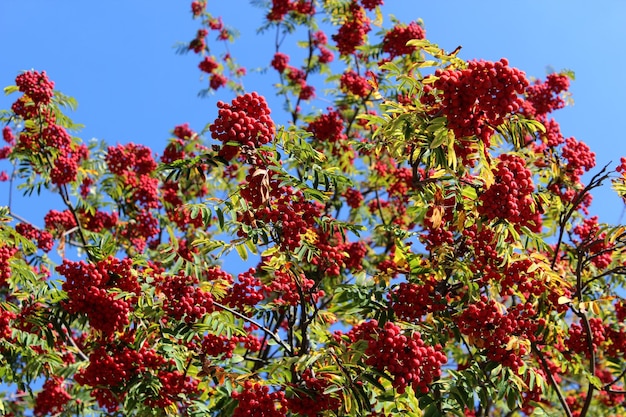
422, 247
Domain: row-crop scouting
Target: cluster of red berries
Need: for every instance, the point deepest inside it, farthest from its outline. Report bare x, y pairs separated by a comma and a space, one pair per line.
356, 252
36, 86
91, 290
174, 385
593, 240
355, 84
256, 400
9, 138
280, 62
198, 44
579, 157
197, 8
208, 65
371, 4
219, 346
59, 222
577, 341
477, 99
287, 287
183, 298
65, 168
354, 198
5, 316
45, 136
404, 355
246, 291
395, 41
510, 196
309, 398
124, 160
98, 220
280, 8
516, 278
331, 257
52, 398
320, 41
134, 167
139, 229
246, 121
493, 330
545, 97
44, 239
551, 138
352, 32
112, 367
328, 127
410, 302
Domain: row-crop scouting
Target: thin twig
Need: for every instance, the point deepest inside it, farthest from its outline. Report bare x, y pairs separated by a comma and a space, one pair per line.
257, 324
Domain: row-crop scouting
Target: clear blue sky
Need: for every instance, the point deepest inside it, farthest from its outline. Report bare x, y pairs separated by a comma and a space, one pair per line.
117, 58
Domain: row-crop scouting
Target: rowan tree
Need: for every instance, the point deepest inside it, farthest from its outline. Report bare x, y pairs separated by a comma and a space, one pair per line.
420, 246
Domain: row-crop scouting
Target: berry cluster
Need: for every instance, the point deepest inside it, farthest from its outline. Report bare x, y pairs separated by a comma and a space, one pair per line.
577, 340
139, 229
594, 243
36, 86
183, 298
516, 278
404, 355
545, 97
579, 157
41, 135
208, 65
246, 291
174, 386
59, 222
134, 167
371, 4
130, 160
198, 44
197, 8
280, 62
245, 121
353, 83
320, 41
286, 209
353, 197
112, 367
256, 400
280, 8
44, 239
287, 287
52, 398
219, 346
328, 127
92, 289
352, 32
477, 99
5, 316
98, 220
395, 41
410, 302
500, 334
309, 397
510, 196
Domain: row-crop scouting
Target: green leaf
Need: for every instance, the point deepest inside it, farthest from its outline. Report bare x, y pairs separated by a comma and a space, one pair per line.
11, 89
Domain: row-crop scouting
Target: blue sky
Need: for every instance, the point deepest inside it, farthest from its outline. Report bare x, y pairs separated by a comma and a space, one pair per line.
117, 58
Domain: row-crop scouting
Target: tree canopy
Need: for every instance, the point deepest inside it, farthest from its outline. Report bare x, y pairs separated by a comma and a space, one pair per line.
419, 244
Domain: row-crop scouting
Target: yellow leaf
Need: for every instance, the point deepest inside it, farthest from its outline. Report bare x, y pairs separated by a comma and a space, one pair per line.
564, 300
595, 308
436, 217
